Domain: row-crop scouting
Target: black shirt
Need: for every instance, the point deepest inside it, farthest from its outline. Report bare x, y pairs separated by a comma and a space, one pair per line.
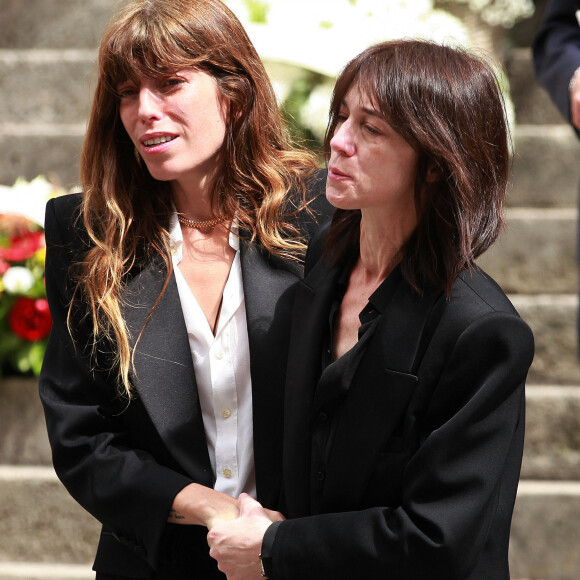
335, 379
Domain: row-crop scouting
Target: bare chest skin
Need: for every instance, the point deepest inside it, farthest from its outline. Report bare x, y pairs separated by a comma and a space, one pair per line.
206, 263
360, 289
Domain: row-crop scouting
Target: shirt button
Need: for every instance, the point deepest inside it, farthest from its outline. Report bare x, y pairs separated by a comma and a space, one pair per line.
226, 413
320, 476
219, 354
322, 417
227, 472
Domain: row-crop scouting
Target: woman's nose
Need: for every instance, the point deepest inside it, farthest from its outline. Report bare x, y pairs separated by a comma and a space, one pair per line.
149, 104
342, 141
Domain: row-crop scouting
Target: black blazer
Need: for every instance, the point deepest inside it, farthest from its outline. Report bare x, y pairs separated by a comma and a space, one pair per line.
424, 462
556, 52
125, 462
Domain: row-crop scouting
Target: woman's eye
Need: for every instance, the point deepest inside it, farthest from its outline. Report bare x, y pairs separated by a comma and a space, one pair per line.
172, 82
126, 91
372, 130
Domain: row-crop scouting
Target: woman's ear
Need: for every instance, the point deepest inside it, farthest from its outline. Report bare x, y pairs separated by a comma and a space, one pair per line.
434, 172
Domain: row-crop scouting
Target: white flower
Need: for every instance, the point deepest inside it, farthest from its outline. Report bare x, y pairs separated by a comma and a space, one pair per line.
18, 280
27, 198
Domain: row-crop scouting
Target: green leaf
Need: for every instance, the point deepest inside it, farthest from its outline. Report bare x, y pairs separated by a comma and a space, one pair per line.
36, 356
257, 10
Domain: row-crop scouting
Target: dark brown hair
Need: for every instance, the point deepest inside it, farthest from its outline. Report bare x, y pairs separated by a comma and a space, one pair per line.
125, 211
447, 104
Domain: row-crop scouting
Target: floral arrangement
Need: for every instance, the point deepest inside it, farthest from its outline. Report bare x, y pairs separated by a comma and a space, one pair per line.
25, 320
305, 44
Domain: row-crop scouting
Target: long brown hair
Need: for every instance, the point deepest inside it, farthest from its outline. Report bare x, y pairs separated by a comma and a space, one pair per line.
446, 103
125, 211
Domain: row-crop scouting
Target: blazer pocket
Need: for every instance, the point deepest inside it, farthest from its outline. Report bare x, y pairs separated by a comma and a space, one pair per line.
397, 446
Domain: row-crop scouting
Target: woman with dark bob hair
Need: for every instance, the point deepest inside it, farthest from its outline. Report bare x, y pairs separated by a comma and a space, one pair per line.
404, 412
163, 378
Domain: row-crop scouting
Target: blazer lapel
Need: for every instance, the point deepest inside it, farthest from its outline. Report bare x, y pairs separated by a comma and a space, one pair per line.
164, 377
269, 285
309, 327
379, 395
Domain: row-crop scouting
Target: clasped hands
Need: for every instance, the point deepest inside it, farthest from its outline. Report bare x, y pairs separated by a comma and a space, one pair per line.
236, 543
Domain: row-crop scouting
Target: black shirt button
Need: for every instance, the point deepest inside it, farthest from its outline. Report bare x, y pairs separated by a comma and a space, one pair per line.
320, 476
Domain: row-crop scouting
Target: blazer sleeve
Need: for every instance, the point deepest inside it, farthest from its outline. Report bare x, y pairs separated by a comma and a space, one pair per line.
462, 477
556, 52
94, 455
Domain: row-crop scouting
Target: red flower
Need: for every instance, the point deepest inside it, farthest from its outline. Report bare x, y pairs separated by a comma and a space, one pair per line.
22, 246
30, 318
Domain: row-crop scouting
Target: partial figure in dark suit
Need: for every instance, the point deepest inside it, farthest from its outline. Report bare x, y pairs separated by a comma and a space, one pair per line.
556, 52
404, 404
170, 282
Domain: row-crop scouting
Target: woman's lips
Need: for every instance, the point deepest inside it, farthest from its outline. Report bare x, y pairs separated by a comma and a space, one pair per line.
155, 140
335, 173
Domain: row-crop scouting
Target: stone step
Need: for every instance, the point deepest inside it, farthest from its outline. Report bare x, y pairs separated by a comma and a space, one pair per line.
531, 102
545, 167
536, 252
552, 318
35, 571
552, 444
50, 150
54, 86
545, 528
545, 531
54, 23
23, 437
40, 522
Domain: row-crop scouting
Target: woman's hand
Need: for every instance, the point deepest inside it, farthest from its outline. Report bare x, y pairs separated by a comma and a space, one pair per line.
198, 505
274, 515
575, 99
236, 544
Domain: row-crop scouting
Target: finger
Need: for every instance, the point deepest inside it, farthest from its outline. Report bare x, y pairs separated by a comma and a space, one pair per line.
248, 505
274, 515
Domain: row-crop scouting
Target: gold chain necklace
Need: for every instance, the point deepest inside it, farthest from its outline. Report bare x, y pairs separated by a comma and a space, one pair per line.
200, 225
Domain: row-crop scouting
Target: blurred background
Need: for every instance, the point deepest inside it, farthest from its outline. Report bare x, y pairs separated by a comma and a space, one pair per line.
47, 66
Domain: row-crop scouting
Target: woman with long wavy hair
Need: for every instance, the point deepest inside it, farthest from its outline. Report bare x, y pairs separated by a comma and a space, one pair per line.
169, 280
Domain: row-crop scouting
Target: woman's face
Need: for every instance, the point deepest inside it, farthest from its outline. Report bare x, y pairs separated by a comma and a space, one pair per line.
371, 166
177, 124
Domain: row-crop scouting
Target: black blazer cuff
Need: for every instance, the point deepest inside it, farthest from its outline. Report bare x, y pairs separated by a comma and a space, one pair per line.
267, 549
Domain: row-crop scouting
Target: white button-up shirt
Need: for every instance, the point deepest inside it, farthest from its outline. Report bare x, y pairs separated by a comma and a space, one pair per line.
222, 373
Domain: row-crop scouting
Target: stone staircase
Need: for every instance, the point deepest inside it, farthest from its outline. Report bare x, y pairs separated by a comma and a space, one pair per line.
47, 53
535, 262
